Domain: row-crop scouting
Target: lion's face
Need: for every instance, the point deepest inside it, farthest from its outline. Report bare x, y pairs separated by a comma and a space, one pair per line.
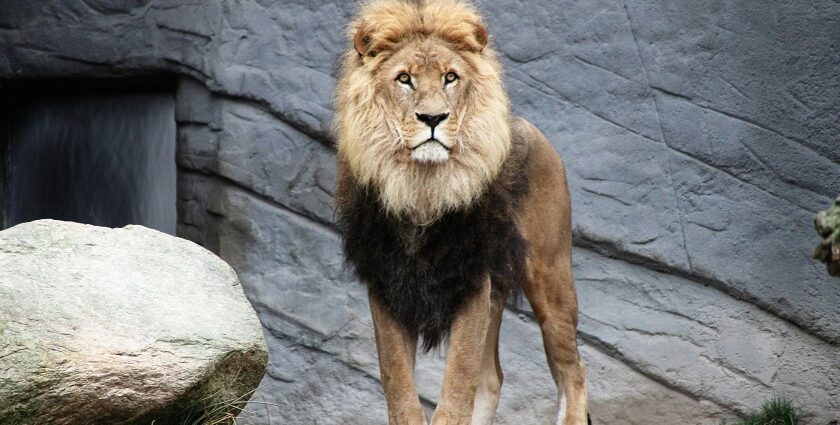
424, 85
421, 114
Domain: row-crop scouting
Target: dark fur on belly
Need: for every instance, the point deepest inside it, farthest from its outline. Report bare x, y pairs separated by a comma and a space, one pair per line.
424, 275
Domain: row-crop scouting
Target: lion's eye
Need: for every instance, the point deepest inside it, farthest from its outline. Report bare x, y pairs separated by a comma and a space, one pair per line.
450, 77
404, 78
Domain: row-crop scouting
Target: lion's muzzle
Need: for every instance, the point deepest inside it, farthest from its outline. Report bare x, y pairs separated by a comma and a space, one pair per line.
430, 151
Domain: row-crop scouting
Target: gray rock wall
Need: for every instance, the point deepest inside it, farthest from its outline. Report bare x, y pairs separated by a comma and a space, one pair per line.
700, 138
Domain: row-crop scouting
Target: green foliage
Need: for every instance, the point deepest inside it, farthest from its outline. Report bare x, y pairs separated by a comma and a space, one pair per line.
827, 224
776, 411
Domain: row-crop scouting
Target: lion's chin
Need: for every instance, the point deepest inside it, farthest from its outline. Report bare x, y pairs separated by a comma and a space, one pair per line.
430, 152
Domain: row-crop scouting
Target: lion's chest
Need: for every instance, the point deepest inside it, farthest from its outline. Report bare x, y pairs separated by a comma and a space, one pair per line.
424, 274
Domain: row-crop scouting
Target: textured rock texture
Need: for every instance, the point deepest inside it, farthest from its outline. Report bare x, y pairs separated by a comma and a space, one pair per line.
119, 326
700, 139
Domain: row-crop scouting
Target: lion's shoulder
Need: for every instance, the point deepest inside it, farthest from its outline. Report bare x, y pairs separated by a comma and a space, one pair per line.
540, 155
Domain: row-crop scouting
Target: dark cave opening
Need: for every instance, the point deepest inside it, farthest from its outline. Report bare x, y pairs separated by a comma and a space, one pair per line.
100, 152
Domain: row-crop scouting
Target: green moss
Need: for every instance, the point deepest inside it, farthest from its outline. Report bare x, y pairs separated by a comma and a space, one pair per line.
827, 224
776, 411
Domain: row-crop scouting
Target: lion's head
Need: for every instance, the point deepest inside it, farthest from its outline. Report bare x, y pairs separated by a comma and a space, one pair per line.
421, 113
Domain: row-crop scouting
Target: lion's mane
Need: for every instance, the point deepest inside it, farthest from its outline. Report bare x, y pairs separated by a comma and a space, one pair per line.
368, 141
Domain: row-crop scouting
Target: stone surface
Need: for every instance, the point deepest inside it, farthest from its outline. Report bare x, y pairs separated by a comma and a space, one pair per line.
123, 325
699, 140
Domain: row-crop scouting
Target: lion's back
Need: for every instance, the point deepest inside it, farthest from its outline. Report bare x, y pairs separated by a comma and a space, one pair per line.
546, 213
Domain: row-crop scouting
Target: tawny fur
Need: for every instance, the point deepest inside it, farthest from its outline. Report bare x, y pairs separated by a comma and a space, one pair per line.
377, 130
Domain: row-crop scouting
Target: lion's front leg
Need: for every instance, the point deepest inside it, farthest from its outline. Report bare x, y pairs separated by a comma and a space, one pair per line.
397, 351
463, 360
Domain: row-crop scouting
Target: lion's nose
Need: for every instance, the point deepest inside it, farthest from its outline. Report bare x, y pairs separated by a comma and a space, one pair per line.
432, 120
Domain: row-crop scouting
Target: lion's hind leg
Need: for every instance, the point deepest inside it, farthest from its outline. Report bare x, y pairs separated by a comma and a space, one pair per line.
551, 294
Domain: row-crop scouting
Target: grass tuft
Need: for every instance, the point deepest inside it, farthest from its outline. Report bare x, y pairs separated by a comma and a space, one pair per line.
216, 413
225, 412
776, 411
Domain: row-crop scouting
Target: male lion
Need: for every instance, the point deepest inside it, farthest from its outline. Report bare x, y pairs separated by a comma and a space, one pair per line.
447, 204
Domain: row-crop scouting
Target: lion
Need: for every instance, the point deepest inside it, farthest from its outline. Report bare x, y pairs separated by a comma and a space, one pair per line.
447, 204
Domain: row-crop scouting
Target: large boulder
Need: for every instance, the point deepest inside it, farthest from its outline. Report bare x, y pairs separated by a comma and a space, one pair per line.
123, 325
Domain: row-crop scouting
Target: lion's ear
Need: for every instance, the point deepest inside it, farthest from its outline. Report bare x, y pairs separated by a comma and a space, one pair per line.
470, 36
480, 36
361, 41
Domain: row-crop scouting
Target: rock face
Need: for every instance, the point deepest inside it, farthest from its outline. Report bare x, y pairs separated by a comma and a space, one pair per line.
119, 326
699, 140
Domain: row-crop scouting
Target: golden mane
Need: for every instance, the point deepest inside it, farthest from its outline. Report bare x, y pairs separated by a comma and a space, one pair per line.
382, 24
367, 125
